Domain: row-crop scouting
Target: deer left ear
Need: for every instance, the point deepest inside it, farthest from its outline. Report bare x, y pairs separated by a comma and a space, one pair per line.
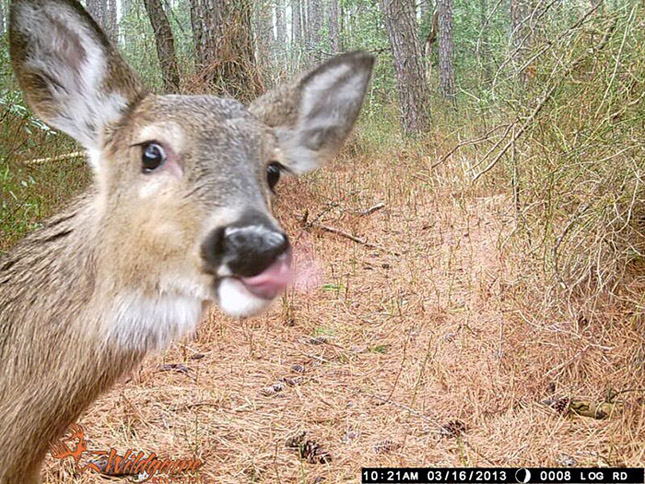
72, 77
313, 116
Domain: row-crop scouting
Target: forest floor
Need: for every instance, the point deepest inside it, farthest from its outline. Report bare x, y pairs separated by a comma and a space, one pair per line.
421, 347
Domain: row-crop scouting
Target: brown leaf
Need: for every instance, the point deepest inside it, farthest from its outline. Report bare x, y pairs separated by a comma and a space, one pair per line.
560, 405
314, 454
595, 410
292, 382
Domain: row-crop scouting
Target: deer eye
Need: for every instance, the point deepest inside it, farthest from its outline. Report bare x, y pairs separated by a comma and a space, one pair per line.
273, 174
153, 157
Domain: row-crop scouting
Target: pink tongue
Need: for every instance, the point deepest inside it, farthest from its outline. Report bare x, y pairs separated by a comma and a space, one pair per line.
272, 281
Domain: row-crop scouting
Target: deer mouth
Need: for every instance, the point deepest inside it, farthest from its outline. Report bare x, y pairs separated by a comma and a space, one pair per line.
272, 281
241, 296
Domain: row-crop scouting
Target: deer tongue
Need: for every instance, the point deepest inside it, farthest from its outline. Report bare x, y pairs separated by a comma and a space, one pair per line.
272, 281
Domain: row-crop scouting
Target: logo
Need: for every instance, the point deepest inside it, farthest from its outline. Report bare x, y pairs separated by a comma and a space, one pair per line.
137, 465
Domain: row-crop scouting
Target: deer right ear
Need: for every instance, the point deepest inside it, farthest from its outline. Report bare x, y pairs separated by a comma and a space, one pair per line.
313, 115
70, 74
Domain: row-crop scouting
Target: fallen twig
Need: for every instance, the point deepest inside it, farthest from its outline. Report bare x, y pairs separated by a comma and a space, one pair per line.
373, 209
346, 235
67, 156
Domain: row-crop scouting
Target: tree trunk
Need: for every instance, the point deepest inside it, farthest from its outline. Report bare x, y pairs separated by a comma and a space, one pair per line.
104, 12
280, 30
521, 11
263, 28
428, 43
224, 50
517, 18
98, 10
521, 33
296, 33
165, 44
197, 26
446, 55
424, 8
3, 29
315, 9
296, 24
111, 20
401, 26
334, 27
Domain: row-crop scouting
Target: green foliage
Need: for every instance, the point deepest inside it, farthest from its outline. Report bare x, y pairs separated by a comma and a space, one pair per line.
582, 161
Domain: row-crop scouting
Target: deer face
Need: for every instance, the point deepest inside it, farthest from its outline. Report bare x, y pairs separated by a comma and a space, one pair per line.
183, 183
190, 180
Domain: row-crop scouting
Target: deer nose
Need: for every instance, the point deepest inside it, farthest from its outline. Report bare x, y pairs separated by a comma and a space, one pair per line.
252, 249
247, 247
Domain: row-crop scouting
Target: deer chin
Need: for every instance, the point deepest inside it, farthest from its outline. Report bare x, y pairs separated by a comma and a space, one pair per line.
237, 301
245, 296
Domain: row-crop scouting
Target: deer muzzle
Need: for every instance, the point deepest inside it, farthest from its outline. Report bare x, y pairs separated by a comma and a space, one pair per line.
253, 251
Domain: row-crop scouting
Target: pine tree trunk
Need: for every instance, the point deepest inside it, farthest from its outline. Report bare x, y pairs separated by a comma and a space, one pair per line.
296, 33
224, 48
165, 44
3, 27
263, 28
446, 54
314, 26
125, 34
111, 20
98, 10
280, 30
197, 26
424, 8
401, 26
521, 34
334, 27
104, 12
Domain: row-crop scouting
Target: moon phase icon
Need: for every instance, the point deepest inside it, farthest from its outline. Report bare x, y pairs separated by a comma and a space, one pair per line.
523, 475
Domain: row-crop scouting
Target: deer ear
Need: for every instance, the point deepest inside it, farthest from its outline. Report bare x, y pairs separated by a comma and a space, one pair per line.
314, 115
70, 74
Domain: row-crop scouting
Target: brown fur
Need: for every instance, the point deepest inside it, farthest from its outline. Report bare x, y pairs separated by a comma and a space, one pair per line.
75, 296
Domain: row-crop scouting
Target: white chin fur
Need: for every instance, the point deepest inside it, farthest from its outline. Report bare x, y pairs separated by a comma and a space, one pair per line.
236, 301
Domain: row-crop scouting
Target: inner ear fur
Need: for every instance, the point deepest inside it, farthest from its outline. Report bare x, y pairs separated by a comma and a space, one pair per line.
314, 114
71, 75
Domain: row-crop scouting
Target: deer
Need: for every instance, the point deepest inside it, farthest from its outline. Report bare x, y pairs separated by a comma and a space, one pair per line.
178, 217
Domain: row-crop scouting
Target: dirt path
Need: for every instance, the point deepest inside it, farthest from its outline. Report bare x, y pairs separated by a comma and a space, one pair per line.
410, 356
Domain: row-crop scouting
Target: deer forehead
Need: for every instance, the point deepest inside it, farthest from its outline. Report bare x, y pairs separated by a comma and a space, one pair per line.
199, 125
168, 132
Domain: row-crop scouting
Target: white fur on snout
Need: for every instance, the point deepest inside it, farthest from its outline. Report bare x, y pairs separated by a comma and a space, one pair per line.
236, 301
224, 271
